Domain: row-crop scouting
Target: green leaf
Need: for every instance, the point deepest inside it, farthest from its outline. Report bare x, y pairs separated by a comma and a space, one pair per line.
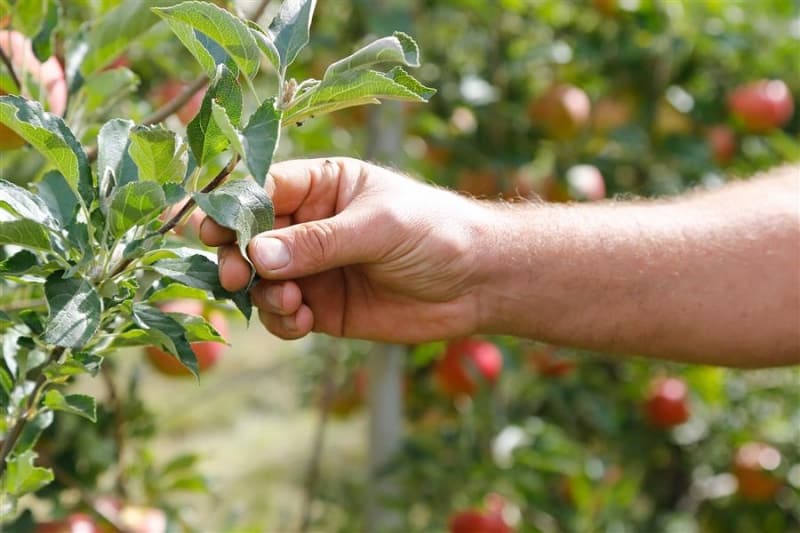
265, 44
240, 205
77, 364
175, 291
256, 145
290, 29
33, 430
221, 26
24, 204
115, 167
195, 271
154, 150
22, 477
260, 139
399, 49
206, 139
25, 233
77, 404
116, 30
357, 87
50, 136
103, 89
169, 333
29, 15
43, 41
198, 329
75, 309
19, 263
135, 204
59, 198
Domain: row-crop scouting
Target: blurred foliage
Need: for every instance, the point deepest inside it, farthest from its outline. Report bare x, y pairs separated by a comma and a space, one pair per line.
572, 451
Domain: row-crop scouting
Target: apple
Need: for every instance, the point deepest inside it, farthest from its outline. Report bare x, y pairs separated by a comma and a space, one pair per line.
207, 352
546, 363
753, 467
466, 364
563, 111
49, 75
74, 523
762, 105
721, 141
585, 182
141, 519
611, 113
667, 402
169, 90
473, 521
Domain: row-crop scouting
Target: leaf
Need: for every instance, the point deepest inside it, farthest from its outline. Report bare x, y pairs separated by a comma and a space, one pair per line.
135, 204
169, 333
102, 89
43, 41
75, 309
112, 156
29, 15
195, 271
116, 30
206, 139
77, 364
60, 199
52, 138
240, 205
77, 404
265, 43
25, 233
153, 149
257, 143
357, 87
290, 29
221, 26
260, 139
175, 291
198, 329
399, 49
22, 477
33, 430
24, 204
19, 263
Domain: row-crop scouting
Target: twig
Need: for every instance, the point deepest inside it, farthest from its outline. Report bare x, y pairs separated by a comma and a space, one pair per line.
166, 110
11, 441
312, 474
119, 427
7, 62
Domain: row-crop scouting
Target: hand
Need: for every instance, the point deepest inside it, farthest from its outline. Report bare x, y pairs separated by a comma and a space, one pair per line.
359, 251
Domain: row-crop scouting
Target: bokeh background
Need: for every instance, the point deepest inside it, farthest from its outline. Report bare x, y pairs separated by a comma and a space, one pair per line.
564, 100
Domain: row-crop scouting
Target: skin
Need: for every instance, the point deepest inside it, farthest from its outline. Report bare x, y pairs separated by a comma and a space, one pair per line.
363, 252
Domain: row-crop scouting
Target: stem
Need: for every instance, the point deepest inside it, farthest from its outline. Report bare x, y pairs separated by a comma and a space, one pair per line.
167, 110
312, 475
7, 62
119, 427
11, 441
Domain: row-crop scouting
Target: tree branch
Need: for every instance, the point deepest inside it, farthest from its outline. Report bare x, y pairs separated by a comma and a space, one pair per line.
11, 441
7, 62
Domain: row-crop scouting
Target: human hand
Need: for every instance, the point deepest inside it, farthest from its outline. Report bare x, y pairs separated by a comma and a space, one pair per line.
359, 251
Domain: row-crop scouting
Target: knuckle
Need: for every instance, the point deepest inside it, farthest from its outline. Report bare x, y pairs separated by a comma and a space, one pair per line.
316, 244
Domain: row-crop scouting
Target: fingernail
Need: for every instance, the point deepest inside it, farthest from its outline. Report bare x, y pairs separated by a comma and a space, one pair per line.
273, 296
270, 253
290, 323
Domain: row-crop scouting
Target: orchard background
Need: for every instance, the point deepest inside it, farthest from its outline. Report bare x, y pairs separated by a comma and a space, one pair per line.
564, 100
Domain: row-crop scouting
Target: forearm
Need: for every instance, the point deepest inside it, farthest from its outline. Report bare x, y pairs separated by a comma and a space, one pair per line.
711, 278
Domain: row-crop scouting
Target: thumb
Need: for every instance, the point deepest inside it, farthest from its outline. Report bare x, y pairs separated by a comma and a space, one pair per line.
311, 247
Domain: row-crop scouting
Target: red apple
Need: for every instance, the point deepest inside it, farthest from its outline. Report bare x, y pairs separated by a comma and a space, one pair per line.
170, 90
74, 523
140, 519
762, 105
466, 364
563, 111
472, 521
50, 75
753, 467
585, 182
207, 353
722, 142
667, 403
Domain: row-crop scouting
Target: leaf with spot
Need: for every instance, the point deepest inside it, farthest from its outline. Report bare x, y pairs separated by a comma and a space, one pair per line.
70, 299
